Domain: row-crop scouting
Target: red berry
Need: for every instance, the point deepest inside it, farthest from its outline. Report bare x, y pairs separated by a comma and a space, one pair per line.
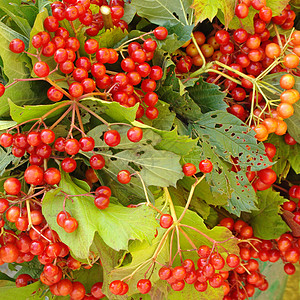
160, 33
124, 176
205, 166
34, 175
52, 176
70, 224
17, 46
135, 134
112, 138
144, 286
165, 221
189, 169
69, 164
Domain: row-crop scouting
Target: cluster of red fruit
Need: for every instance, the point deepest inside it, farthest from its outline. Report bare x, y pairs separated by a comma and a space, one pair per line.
285, 19
36, 239
37, 145
72, 10
286, 247
208, 263
292, 206
119, 87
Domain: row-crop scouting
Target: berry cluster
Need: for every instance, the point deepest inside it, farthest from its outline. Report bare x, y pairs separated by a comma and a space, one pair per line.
292, 206
286, 247
236, 60
72, 10
88, 75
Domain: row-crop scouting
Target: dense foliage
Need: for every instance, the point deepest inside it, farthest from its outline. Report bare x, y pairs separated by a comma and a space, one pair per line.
149, 149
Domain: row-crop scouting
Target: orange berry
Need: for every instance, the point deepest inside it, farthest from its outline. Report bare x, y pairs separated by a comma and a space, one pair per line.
272, 50
281, 128
290, 96
261, 131
271, 124
291, 61
287, 81
285, 110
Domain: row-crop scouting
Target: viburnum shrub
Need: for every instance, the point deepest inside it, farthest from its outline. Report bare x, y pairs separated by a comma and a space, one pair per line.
146, 152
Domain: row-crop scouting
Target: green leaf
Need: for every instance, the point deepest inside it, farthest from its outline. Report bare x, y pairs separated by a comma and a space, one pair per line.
208, 96
189, 292
160, 12
109, 260
12, 9
179, 144
129, 12
149, 137
158, 167
116, 224
177, 36
208, 9
203, 191
28, 112
292, 122
5, 159
111, 37
115, 111
218, 233
6, 124
140, 252
230, 137
33, 268
180, 195
11, 292
165, 118
266, 222
285, 154
14, 66
172, 92
236, 186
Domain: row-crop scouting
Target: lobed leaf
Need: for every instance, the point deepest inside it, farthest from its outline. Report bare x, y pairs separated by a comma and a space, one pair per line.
267, 222
116, 224
208, 96
20, 114
161, 11
208, 9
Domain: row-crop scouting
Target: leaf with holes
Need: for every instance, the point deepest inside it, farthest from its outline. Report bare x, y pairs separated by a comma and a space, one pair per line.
208, 96
162, 11
267, 222
116, 224
236, 186
208, 9
231, 138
